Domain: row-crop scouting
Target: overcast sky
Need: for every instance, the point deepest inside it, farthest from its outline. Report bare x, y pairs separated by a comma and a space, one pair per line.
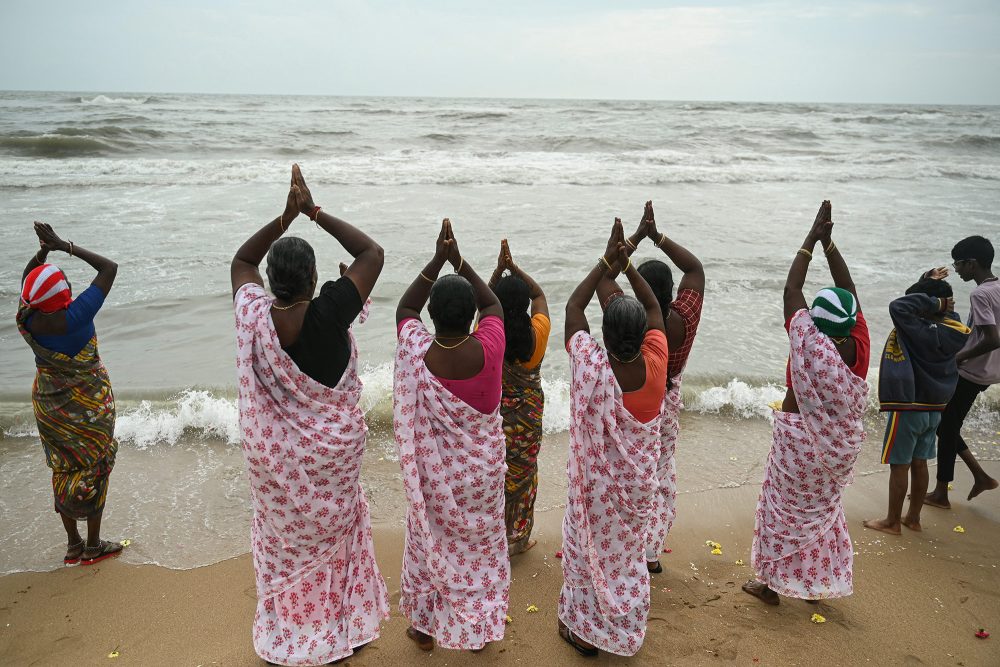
933, 52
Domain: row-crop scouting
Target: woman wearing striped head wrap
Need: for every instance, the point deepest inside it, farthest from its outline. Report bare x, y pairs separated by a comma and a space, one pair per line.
72, 397
801, 547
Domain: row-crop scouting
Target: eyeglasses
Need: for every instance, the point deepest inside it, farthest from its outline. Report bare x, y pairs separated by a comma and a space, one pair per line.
960, 261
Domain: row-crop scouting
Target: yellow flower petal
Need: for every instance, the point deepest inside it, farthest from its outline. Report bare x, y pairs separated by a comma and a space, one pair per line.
532, 609
816, 618
126, 543
717, 551
958, 529
951, 487
508, 619
775, 405
114, 654
740, 562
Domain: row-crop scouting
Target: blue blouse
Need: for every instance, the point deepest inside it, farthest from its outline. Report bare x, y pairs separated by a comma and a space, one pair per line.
79, 323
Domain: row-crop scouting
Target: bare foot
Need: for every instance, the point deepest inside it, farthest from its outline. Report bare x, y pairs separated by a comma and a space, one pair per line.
987, 484
883, 525
424, 642
520, 547
937, 500
760, 590
913, 525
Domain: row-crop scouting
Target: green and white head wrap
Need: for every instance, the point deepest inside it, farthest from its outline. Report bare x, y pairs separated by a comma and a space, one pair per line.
834, 311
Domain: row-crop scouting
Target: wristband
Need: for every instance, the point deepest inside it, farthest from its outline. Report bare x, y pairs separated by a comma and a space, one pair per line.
314, 213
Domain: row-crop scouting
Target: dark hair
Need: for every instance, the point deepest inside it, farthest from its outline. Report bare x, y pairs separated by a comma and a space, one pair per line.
931, 287
516, 299
291, 266
624, 327
661, 281
974, 247
452, 305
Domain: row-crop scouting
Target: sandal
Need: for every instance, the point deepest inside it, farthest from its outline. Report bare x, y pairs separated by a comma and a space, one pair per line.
424, 641
654, 566
104, 551
570, 639
73, 560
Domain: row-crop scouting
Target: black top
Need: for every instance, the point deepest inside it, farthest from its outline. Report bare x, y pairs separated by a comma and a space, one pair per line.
323, 347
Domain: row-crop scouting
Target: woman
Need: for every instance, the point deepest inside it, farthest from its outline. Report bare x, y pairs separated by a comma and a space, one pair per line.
801, 547
446, 399
72, 397
682, 316
320, 595
522, 400
616, 396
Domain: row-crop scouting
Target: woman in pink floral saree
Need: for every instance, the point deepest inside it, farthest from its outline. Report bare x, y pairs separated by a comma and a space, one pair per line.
446, 418
616, 395
320, 595
801, 547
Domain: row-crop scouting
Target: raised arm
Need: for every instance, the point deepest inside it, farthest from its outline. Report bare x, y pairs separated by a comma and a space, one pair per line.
693, 277
539, 305
106, 269
794, 299
576, 306
838, 267
415, 297
643, 292
487, 302
245, 267
368, 255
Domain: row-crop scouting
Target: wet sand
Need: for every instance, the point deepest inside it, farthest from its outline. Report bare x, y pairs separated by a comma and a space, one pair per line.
919, 599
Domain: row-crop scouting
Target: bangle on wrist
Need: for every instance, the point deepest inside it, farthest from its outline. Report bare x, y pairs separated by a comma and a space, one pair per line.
806, 252
430, 280
70, 248
606, 263
630, 244
830, 249
461, 263
663, 237
628, 265
314, 212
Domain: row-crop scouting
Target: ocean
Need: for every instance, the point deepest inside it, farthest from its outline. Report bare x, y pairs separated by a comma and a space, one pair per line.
169, 185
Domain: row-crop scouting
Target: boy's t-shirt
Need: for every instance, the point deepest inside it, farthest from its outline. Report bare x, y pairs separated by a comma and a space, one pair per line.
985, 310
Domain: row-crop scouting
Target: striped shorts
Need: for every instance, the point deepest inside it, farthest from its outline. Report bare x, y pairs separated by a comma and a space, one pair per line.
909, 435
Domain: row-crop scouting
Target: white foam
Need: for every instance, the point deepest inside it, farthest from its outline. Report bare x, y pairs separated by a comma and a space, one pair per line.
742, 399
105, 100
147, 424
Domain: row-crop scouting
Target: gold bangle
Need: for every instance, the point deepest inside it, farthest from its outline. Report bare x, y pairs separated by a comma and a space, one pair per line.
630, 244
606, 263
663, 237
461, 263
803, 251
70, 248
628, 265
430, 280
833, 246
281, 222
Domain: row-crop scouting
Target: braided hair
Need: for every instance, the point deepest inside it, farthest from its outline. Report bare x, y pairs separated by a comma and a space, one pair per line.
515, 298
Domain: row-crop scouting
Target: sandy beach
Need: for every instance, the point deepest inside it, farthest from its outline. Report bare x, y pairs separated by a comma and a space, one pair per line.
919, 598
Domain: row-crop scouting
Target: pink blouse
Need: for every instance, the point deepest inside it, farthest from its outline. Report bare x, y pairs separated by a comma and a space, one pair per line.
482, 390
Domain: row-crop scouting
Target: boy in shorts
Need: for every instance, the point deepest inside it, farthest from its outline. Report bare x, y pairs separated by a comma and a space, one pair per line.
917, 375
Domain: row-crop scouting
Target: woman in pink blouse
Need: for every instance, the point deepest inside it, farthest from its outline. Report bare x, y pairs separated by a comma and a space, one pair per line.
446, 419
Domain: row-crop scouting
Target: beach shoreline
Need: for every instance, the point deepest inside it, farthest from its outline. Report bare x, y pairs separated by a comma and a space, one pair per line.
919, 598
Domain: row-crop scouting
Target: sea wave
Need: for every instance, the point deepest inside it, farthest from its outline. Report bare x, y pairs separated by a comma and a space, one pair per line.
104, 100
55, 145
214, 414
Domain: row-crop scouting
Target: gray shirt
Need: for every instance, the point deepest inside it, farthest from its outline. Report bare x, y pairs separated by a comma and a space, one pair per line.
985, 310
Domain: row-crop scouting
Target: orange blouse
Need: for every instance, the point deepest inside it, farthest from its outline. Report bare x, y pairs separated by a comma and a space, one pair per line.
645, 402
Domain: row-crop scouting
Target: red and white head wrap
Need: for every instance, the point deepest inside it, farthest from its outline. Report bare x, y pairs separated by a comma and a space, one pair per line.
46, 289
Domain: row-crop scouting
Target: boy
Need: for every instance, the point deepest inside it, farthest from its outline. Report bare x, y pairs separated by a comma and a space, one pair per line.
917, 375
978, 367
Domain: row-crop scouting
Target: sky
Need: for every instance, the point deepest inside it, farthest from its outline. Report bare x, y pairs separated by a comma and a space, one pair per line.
894, 52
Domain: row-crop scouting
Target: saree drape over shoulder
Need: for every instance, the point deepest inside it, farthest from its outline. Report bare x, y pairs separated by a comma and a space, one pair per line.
665, 496
521, 409
801, 546
456, 573
75, 411
612, 476
319, 590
